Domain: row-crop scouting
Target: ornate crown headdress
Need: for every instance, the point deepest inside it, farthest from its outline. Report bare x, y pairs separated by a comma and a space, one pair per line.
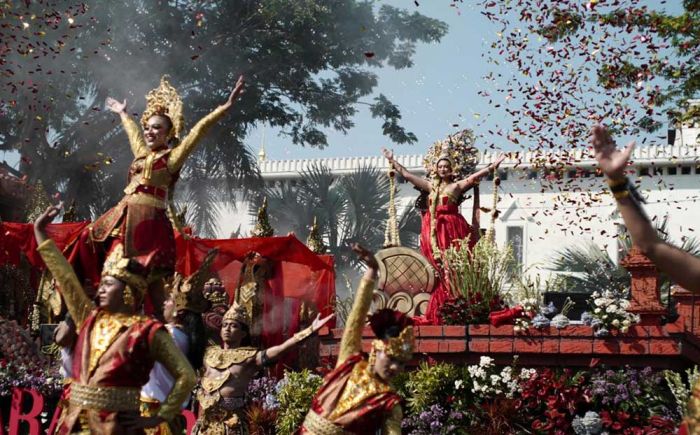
458, 149
394, 331
237, 313
164, 100
129, 271
187, 292
215, 292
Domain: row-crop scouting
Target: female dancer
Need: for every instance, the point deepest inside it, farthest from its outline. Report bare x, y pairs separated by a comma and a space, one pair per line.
442, 223
139, 221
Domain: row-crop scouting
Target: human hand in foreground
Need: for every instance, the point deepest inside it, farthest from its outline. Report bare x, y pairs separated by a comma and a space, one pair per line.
610, 160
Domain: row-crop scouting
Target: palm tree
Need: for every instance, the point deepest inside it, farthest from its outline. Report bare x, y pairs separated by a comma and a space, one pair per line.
593, 269
348, 208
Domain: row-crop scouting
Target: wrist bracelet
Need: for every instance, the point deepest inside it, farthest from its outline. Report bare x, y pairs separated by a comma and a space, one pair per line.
615, 182
621, 194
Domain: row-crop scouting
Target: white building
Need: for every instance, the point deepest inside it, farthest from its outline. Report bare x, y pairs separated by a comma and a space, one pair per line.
547, 208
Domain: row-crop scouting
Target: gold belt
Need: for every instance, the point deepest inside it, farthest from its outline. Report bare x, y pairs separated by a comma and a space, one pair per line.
105, 398
318, 425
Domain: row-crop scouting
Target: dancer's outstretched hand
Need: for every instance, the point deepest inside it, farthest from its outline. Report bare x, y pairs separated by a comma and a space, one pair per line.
366, 256
44, 219
236, 92
115, 106
499, 160
319, 323
611, 160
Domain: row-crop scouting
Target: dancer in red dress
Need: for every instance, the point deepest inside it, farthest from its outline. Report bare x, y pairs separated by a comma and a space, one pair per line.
139, 222
443, 224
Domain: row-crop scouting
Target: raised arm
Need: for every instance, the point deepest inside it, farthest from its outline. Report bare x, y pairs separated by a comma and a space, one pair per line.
351, 342
271, 354
467, 183
417, 181
179, 154
132, 129
79, 305
682, 267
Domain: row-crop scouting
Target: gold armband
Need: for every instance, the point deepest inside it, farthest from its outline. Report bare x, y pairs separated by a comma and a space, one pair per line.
621, 194
304, 333
616, 182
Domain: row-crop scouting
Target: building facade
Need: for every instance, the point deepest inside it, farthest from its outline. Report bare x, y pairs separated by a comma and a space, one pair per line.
547, 202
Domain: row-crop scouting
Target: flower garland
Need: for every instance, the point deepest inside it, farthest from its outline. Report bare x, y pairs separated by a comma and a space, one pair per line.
391, 234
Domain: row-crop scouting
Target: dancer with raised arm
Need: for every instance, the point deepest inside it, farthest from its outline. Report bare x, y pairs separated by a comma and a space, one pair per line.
139, 222
356, 397
229, 370
449, 164
116, 347
682, 267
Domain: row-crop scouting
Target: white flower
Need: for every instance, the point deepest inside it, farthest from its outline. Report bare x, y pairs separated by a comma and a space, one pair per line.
458, 384
485, 361
599, 302
624, 304
626, 322
624, 329
611, 308
616, 323
597, 311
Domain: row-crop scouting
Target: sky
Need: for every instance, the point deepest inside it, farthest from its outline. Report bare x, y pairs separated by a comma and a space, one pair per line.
438, 91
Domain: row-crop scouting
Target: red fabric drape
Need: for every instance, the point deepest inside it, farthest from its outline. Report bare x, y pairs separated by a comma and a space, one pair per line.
16, 238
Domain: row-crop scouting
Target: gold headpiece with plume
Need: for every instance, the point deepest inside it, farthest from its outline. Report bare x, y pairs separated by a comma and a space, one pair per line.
394, 331
215, 292
458, 149
237, 313
187, 292
164, 100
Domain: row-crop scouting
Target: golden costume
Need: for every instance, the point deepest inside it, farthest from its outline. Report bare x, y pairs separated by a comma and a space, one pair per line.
219, 415
114, 352
352, 399
140, 220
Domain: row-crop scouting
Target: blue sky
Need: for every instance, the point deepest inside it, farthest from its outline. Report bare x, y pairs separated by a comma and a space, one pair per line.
438, 91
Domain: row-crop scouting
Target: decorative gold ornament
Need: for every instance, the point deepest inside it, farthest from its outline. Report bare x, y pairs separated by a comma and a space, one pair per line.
237, 313
187, 292
38, 202
262, 224
215, 292
391, 233
117, 266
315, 241
70, 215
164, 100
458, 149
400, 347
222, 359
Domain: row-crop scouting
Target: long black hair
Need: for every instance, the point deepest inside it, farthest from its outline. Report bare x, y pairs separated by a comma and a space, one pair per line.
193, 327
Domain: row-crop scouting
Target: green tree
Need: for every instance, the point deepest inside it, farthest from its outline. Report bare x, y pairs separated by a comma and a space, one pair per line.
348, 208
309, 65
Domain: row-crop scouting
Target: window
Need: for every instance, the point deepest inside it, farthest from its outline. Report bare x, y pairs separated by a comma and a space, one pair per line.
644, 170
672, 170
685, 170
532, 174
514, 238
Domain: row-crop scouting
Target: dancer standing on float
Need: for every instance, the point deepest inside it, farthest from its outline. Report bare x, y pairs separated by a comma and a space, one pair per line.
139, 222
682, 267
442, 223
183, 313
116, 347
356, 397
229, 370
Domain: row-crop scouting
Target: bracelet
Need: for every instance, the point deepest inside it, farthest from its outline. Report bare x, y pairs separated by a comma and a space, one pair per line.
621, 194
304, 333
615, 182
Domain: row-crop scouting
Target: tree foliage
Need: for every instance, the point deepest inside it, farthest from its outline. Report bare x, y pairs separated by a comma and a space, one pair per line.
308, 63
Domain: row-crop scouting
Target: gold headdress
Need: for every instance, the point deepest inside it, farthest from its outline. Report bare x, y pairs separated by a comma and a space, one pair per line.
187, 292
128, 271
164, 100
394, 331
237, 313
400, 347
215, 292
458, 149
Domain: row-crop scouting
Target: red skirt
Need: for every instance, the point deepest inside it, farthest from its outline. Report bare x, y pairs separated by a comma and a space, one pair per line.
450, 227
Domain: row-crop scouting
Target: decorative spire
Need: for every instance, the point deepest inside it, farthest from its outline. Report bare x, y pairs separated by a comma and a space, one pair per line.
314, 241
262, 225
262, 156
491, 231
38, 202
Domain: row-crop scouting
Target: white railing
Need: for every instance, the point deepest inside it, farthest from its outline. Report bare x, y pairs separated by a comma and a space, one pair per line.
658, 155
